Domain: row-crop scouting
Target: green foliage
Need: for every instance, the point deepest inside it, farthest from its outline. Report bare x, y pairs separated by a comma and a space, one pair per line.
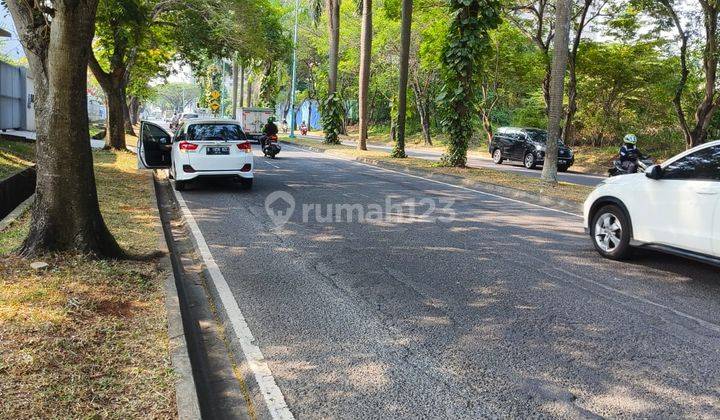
622, 86
466, 45
331, 113
269, 87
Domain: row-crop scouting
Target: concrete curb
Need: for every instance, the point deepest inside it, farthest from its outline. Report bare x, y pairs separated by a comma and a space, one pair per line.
557, 203
15, 214
186, 398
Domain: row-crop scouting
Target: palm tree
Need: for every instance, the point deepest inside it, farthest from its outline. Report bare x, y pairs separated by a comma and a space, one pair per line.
407, 6
365, 51
557, 79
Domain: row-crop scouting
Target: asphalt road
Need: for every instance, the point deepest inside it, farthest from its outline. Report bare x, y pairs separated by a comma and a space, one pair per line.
479, 162
505, 311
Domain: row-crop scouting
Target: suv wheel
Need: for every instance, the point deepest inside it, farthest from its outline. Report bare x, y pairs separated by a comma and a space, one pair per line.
610, 233
562, 168
497, 156
529, 161
179, 185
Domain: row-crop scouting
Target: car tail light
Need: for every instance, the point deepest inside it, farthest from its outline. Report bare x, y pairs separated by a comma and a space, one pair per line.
246, 168
184, 145
245, 147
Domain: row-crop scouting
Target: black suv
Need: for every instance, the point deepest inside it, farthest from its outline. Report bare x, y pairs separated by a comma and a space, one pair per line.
526, 145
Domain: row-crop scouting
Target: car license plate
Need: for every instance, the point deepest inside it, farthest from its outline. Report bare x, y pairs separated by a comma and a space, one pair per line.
219, 150
562, 161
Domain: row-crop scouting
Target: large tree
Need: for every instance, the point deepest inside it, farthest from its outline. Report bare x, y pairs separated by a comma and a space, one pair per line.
332, 118
405, 26
557, 84
466, 46
66, 216
122, 29
366, 35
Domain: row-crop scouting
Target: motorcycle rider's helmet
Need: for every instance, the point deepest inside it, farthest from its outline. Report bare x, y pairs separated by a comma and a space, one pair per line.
630, 139
271, 120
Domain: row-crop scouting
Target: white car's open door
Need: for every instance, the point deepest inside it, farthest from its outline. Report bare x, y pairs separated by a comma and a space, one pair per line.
154, 146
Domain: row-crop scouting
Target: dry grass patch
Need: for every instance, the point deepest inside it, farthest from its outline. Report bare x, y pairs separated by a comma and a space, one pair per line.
88, 339
567, 191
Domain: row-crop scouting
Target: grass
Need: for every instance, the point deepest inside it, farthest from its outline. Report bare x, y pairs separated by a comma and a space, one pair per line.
84, 338
567, 191
15, 156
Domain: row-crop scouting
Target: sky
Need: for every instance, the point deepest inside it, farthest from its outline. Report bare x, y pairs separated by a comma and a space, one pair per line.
10, 46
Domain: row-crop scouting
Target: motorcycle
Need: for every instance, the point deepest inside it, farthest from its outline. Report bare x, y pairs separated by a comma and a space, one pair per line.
303, 131
270, 146
642, 164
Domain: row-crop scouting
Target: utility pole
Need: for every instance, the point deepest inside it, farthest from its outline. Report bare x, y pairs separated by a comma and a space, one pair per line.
294, 75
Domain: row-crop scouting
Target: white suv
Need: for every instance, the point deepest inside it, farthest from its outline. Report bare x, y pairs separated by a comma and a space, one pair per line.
200, 148
673, 207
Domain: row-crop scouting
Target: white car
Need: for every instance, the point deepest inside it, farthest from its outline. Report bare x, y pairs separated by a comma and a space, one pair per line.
673, 207
200, 148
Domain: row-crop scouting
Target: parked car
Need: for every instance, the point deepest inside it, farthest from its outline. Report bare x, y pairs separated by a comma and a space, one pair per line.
526, 145
200, 149
673, 207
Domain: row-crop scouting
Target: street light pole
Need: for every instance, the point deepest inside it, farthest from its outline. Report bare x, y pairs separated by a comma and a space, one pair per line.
294, 67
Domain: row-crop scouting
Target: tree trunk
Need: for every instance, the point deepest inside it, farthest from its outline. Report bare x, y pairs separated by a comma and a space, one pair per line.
248, 100
126, 114
365, 55
708, 106
115, 138
333, 10
559, 64
423, 109
568, 131
66, 215
405, 26
234, 89
134, 110
242, 86
684, 72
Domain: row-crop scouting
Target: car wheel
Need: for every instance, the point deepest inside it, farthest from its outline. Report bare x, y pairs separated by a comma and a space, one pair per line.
562, 168
179, 185
610, 232
246, 183
529, 161
497, 156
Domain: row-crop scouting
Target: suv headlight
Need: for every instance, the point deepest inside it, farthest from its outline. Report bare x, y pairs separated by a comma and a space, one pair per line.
539, 147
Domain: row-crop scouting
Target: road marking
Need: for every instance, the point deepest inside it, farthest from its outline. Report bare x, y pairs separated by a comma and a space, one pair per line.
273, 165
441, 182
271, 393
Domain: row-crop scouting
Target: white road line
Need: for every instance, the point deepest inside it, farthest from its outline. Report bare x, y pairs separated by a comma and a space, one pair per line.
271, 164
271, 393
440, 182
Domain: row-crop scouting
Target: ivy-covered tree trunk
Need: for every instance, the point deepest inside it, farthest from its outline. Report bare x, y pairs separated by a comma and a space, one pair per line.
66, 216
466, 45
557, 83
407, 5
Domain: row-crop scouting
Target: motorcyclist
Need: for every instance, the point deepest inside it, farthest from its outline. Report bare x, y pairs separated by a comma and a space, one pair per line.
303, 128
629, 154
270, 129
